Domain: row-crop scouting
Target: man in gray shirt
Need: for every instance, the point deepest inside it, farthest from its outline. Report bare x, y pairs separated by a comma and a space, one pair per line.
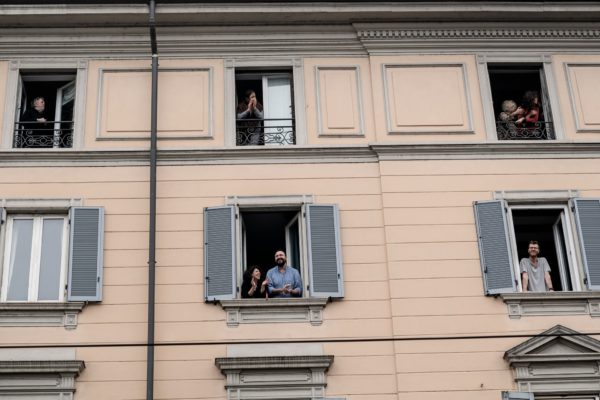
535, 271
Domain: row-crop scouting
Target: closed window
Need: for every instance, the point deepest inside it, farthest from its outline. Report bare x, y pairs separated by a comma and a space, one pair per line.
240, 237
52, 257
566, 234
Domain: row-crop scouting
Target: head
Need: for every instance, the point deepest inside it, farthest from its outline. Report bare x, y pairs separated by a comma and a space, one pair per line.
39, 103
250, 95
534, 248
531, 98
280, 258
253, 272
509, 106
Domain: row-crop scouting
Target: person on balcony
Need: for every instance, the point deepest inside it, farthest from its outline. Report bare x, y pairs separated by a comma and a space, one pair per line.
284, 281
531, 105
37, 126
535, 271
249, 132
253, 286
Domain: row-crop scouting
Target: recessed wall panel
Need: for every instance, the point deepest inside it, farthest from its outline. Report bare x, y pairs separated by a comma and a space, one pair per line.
339, 101
584, 81
427, 99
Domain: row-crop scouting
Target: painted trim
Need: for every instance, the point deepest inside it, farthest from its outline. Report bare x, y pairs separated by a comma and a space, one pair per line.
552, 303
361, 128
391, 131
525, 196
269, 201
41, 314
210, 102
253, 311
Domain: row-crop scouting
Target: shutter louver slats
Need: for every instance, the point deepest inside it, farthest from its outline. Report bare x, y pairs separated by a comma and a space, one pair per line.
494, 248
588, 223
324, 251
219, 253
85, 263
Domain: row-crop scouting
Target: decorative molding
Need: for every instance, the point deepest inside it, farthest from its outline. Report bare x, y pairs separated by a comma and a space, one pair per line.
17, 205
277, 200
250, 311
38, 367
276, 377
526, 196
552, 303
470, 33
41, 314
574, 95
559, 361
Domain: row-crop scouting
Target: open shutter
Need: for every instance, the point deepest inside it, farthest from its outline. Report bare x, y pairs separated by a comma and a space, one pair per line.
587, 215
517, 396
85, 254
494, 247
324, 251
219, 253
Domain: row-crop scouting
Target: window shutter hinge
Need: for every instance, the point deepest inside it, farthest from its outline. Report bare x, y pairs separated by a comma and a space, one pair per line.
98, 279
573, 208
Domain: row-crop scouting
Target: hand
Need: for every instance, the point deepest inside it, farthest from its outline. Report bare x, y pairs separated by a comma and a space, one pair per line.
41, 120
265, 283
286, 288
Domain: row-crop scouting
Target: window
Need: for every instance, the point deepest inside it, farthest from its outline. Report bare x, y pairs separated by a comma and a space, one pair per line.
505, 228
45, 109
45, 253
520, 102
265, 109
241, 235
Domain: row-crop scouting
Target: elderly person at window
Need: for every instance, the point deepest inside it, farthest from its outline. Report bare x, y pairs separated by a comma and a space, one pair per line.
37, 130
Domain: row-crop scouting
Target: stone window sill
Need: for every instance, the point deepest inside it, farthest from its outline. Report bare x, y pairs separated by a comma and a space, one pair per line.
41, 314
252, 311
552, 303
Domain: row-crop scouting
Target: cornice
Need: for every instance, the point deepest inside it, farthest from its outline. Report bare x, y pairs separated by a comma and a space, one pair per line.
275, 362
39, 367
304, 154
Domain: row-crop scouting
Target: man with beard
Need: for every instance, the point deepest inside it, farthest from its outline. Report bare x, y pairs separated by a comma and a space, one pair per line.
284, 281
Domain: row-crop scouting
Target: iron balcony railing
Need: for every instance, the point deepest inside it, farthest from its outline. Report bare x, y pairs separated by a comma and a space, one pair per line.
265, 132
541, 130
49, 134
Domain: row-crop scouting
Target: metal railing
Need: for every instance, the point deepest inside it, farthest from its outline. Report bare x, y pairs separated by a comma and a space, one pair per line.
49, 134
265, 132
509, 130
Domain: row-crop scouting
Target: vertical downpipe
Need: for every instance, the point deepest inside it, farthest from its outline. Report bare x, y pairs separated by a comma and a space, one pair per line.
152, 224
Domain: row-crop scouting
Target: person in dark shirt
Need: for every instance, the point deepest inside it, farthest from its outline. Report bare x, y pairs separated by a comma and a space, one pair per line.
253, 286
37, 127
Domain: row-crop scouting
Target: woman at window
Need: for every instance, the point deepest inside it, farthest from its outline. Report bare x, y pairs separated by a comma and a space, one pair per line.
531, 104
253, 286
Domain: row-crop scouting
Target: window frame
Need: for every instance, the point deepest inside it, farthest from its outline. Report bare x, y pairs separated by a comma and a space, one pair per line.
256, 63
35, 263
547, 67
79, 68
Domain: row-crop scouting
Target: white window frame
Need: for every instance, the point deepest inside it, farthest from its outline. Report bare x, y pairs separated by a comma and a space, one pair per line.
570, 240
298, 100
545, 60
16, 68
35, 259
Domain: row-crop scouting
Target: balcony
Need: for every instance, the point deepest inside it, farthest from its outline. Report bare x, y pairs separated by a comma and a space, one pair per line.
51, 134
541, 130
265, 132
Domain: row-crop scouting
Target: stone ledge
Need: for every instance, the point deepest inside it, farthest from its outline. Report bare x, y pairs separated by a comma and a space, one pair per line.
41, 314
249, 311
552, 303
42, 367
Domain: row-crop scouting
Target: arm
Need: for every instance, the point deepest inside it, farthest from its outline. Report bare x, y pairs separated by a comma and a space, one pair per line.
243, 114
525, 279
258, 114
297, 289
548, 280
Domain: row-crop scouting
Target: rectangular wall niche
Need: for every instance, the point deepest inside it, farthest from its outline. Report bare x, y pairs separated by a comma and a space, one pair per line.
184, 104
427, 99
584, 81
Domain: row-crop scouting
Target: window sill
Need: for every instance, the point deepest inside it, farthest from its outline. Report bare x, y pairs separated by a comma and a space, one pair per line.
41, 314
252, 311
552, 303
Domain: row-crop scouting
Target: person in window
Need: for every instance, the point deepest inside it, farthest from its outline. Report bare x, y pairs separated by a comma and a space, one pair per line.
284, 281
249, 132
535, 271
253, 286
531, 105
36, 125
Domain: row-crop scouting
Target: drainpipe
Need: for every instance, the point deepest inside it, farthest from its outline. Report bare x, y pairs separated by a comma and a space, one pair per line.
152, 224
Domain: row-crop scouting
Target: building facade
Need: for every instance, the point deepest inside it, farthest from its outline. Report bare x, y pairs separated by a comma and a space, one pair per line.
402, 154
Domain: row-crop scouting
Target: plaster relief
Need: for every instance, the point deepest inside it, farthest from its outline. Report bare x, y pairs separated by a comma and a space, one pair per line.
339, 101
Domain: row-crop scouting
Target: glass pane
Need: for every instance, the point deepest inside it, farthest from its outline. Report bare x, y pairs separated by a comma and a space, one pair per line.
20, 260
50, 262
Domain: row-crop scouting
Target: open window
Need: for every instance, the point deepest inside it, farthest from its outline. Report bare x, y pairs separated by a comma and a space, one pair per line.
505, 229
520, 101
240, 236
51, 257
265, 109
45, 109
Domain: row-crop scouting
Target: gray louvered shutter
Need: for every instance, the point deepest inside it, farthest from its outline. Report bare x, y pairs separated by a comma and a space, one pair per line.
219, 253
587, 215
494, 247
324, 251
517, 396
85, 255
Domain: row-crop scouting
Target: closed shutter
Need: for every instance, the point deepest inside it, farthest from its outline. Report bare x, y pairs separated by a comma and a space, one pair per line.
587, 215
494, 247
85, 255
219, 253
517, 396
324, 251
